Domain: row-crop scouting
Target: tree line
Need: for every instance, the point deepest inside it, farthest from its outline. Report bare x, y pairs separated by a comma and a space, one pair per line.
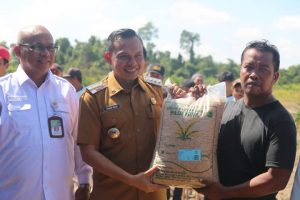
89, 57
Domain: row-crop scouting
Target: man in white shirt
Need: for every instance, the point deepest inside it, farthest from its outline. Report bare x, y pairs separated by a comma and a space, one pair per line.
38, 127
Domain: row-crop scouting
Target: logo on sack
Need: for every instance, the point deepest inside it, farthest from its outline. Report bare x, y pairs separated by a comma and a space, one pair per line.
185, 133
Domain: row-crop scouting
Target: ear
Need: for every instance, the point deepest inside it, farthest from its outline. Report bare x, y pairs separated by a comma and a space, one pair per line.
6, 66
16, 50
276, 77
107, 57
146, 63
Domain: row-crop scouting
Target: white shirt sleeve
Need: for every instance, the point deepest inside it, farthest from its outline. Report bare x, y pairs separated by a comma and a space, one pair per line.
295, 195
82, 170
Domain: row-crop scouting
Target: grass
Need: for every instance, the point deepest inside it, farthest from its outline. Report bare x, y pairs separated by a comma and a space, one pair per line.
289, 96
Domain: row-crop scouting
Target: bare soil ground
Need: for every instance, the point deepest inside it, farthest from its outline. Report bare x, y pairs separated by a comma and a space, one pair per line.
285, 194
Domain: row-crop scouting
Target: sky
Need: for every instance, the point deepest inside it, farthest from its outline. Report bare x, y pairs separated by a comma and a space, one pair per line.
224, 26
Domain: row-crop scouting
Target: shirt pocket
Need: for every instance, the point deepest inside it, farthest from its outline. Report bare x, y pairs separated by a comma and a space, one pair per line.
19, 133
113, 119
19, 113
61, 109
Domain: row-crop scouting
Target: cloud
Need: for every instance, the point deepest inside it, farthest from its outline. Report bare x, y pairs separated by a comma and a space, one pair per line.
288, 23
192, 13
248, 33
289, 52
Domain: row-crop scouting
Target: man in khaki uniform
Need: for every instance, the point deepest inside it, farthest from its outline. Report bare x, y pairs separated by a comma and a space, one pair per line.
119, 120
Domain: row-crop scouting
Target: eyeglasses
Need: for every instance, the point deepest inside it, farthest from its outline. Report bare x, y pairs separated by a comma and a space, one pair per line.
40, 48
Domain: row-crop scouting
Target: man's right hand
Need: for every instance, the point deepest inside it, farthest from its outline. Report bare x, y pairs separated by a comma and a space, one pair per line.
142, 181
198, 91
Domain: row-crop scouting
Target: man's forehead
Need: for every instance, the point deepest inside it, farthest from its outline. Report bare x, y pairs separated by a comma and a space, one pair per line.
35, 36
254, 55
128, 43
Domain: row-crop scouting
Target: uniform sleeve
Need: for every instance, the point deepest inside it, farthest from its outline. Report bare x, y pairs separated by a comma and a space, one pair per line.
82, 170
89, 120
282, 148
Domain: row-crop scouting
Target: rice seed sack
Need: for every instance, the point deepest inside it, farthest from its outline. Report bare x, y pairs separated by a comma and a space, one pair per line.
186, 145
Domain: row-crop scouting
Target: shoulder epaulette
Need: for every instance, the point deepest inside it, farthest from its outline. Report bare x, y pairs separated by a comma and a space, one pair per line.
154, 81
96, 87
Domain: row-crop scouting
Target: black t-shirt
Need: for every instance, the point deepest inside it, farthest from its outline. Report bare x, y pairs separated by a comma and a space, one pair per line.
251, 140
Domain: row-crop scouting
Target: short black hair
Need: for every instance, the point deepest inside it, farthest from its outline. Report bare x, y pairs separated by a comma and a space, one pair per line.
264, 46
226, 76
124, 33
188, 84
74, 73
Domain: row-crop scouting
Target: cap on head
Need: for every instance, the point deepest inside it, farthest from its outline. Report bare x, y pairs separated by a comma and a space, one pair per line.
226, 76
157, 68
74, 73
236, 83
4, 53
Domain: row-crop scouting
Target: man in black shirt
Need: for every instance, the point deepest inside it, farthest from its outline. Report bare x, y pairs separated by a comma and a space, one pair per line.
257, 141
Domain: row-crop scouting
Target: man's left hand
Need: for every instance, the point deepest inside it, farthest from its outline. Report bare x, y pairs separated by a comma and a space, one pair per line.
212, 190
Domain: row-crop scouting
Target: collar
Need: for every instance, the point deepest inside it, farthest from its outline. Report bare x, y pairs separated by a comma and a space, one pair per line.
115, 87
22, 77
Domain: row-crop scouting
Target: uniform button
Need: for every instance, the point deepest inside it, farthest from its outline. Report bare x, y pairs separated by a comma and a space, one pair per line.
138, 130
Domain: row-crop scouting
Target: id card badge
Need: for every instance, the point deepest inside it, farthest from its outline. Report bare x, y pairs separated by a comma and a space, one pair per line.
56, 128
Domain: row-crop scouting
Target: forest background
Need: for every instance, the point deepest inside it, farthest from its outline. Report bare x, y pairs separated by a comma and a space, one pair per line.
88, 56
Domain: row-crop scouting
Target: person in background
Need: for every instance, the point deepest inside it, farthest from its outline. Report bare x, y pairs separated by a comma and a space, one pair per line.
187, 85
198, 79
155, 75
228, 78
119, 123
56, 69
257, 140
4, 60
74, 76
237, 90
156, 71
38, 126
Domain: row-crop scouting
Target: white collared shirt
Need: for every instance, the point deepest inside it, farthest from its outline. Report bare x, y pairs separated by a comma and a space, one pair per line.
32, 164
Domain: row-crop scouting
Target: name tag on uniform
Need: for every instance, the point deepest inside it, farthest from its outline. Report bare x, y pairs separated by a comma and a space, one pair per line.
56, 128
111, 108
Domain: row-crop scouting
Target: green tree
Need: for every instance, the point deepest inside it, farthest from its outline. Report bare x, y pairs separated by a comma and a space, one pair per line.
188, 41
147, 33
65, 50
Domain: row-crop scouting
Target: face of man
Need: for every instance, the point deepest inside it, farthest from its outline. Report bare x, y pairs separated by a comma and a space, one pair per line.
198, 80
56, 71
36, 53
257, 73
3, 67
127, 59
237, 92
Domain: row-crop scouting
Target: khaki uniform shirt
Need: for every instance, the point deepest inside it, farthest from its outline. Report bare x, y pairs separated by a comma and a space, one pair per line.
136, 114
